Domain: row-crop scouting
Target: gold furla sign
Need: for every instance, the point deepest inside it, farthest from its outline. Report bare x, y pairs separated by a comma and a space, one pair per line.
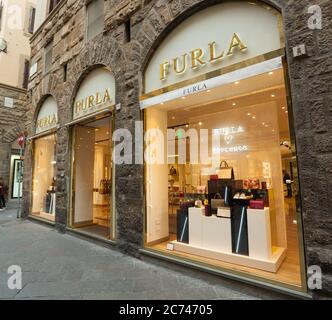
198, 57
92, 103
46, 123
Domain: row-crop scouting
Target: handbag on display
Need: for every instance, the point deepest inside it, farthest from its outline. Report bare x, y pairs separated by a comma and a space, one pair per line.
225, 171
251, 184
214, 177
217, 202
256, 204
201, 189
105, 186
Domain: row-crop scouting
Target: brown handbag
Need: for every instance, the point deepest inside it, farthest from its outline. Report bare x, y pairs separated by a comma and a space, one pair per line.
225, 171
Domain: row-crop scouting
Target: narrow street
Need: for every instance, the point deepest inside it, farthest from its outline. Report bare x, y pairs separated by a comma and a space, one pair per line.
56, 266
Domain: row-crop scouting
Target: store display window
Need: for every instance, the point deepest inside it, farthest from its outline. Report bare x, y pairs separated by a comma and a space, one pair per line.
227, 192
44, 178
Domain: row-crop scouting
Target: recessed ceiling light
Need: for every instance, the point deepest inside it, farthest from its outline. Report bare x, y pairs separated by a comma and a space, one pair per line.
286, 111
263, 123
271, 73
200, 123
254, 117
208, 91
183, 98
273, 95
283, 108
234, 104
187, 125
266, 125
173, 118
237, 82
162, 103
249, 114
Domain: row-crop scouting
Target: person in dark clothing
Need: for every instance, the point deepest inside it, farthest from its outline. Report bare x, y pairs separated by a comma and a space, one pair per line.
2, 195
288, 182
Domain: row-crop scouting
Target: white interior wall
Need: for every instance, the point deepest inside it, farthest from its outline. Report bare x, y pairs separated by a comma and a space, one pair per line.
84, 177
157, 184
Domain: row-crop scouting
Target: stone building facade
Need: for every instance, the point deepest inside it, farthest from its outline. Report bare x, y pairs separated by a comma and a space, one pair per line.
12, 125
128, 55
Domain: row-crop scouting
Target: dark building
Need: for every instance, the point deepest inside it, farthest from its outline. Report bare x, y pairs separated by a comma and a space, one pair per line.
253, 77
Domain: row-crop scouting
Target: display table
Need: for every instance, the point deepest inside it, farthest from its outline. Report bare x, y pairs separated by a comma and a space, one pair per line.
210, 237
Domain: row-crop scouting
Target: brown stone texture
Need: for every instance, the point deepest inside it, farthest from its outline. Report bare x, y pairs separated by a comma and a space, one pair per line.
12, 124
151, 21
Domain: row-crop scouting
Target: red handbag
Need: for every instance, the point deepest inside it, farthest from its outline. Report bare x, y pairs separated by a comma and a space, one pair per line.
256, 204
214, 177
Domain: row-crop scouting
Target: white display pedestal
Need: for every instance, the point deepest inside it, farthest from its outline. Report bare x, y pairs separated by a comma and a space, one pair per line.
259, 233
209, 232
210, 237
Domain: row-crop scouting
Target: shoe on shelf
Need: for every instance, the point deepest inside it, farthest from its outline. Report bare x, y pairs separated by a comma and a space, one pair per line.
243, 196
237, 196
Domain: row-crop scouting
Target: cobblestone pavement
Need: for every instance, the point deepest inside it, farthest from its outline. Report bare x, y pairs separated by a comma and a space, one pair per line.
57, 266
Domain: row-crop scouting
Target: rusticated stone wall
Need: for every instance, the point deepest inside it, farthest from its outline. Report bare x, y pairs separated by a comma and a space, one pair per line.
12, 123
310, 80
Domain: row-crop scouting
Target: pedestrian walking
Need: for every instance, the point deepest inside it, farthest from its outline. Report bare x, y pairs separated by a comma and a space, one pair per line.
3, 190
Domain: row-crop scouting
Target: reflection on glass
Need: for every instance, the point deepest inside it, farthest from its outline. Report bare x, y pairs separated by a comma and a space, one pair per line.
44, 180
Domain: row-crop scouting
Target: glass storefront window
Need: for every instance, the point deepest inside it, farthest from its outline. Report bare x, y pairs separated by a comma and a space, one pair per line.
227, 192
44, 179
92, 183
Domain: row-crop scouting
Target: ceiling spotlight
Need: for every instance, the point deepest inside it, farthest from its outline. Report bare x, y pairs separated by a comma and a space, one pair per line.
187, 125
283, 108
254, 117
173, 118
249, 114
162, 103
273, 95
183, 98
271, 73
200, 123
286, 111
237, 82
263, 123
208, 91
266, 125
234, 104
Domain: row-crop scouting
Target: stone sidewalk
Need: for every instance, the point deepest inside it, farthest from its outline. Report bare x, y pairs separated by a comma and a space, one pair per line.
57, 266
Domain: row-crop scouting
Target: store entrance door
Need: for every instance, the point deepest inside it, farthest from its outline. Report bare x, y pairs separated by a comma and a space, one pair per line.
92, 178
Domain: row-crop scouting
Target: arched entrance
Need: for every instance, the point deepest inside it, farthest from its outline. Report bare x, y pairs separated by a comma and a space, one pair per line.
44, 161
226, 195
92, 198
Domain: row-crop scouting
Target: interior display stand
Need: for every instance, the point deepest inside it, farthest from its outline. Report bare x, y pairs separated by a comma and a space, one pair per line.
210, 237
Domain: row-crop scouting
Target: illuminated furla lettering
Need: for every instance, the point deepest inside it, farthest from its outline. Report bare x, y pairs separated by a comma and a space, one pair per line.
198, 58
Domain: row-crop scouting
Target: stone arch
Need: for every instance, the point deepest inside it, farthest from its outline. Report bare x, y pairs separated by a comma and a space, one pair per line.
104, 51
11, 135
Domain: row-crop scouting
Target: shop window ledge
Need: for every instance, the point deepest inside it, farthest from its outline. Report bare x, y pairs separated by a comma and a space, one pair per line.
292, 292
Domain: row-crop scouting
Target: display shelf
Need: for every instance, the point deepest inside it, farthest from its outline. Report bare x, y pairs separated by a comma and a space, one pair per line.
270, 265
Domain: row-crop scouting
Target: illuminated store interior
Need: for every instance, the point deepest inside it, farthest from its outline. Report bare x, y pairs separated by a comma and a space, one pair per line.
92, 183
250, 117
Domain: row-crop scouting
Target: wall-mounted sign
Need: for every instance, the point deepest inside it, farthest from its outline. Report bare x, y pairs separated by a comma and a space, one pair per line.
199, 58
214, 38
48, 116
96, 93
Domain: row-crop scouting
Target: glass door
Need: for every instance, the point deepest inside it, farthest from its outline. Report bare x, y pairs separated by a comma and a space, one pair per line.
92, 200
